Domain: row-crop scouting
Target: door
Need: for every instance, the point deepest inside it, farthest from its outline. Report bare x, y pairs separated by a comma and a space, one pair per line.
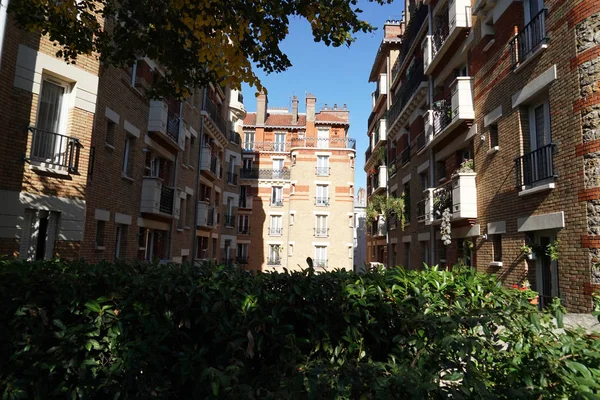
322, 165
323, 138
539, 164
546, 270
248, 141
279, 142
278, 168
48, 144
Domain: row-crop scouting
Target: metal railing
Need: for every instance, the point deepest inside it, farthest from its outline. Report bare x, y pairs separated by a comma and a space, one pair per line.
55, 149
414, 26
368, 154
442, 199
243, 260
321, 232
167, 194
532, 35
229, 220
274, 261
442, 114
535, 166
275, 231
215, 115
322, 171
265, 173
210, 216
440, 34
173, 122
405, 155
276, 203
325, 143
214, 162
414, 77
322, 201
235, 138
244, 230
319, 263
232, 178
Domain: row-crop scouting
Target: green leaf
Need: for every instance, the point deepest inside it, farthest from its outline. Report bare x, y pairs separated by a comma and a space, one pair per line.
577, 367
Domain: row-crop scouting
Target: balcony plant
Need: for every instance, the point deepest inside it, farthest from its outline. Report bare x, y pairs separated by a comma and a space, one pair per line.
387, 206
531, 295
465, 167
552, 250
528, 252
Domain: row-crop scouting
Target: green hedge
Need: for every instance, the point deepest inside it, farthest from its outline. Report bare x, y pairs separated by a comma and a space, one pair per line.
166, 331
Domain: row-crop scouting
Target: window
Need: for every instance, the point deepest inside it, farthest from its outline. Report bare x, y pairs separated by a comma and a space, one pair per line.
244, 224
202, 247
440, 170
128, 156
323, 138
214, 248
497, 247
182, 211
189, 212
274, 250
248, 141
407, 201
277, 196
320, 260
424, 180
493, 134
407, 264
279, 142
111, 128
276, 226
532, 9
539, 125
441, 252
121, 241
292, 218
229, 217
247, 164
100, 230
322, 165
40, 229
290, 249
322, 198
242, 253
321, 229
226, 252
278, 172
424, 248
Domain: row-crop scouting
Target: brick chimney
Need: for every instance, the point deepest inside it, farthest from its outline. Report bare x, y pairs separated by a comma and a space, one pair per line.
393, 29
261, 108
295, 110
310, 107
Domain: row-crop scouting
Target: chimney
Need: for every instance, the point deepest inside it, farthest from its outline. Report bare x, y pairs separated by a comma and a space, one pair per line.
295, 110
261, 108
310, 107
392, 29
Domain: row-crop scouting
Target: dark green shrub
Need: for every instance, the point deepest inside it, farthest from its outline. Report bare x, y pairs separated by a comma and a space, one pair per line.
168, 331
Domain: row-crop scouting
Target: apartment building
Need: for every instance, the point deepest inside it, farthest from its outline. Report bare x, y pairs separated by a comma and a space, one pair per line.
360, 231
93, 169
494, 114
298, 179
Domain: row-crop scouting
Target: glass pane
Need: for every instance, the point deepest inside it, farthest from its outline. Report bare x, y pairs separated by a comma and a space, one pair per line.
49, 107
540, 127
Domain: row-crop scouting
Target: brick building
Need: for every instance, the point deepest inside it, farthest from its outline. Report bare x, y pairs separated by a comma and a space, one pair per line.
298, 175
93, 169
511, 86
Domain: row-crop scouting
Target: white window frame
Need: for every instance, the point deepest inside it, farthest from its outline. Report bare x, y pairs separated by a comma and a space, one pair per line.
276, 194
319, 252
322, 223
279, 141
322, 195
322, 142
64, 106
322, 165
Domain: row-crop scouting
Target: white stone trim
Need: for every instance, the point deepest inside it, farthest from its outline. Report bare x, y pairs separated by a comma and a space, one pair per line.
393, 240
185, 252
129, 127
492, 116
193, 132
101, 215
280, 242
537, 189
323, 153
326, 244
496, 264
423, 167
323, 213
424, 237
322, 182
406, 179
541, 222
189, 191
406, 238
496, 228
123, 219
535, 87
112, 115
276, 213
151, 224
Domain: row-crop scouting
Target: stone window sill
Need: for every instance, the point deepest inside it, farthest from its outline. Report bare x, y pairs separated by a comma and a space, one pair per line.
493, 150
496, 264
100, 248
47, 170
109, 146
127, 178
537, 189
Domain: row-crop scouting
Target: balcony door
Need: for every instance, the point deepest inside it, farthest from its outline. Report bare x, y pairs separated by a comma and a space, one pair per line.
323, 138
248, 141
278, 168
546, 269
539, 138
279, 142
47, 145
532, 8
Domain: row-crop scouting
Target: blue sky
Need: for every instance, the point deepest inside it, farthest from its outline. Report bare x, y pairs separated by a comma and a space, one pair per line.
334, 75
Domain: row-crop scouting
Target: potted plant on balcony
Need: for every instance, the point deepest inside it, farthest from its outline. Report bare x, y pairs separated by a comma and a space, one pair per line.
465, 168
528, 252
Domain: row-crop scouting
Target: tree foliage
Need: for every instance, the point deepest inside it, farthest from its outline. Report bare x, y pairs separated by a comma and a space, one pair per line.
168, 331
387, 206
196, 41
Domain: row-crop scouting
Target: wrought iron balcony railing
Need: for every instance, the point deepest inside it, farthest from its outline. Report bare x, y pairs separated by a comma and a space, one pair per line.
167, 194
533, 35
274, 261
414, 26
322, 171
442, 114
215, 116
371, 118
405, 155
265, 173
535, 166
173, 122
55, 149
321, 232
275, 231
414, 77
322, 201
232, 178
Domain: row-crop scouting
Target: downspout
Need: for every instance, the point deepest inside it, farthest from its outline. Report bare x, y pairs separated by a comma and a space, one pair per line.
3, 23
287, 242
194, 238
175, 198
432, 241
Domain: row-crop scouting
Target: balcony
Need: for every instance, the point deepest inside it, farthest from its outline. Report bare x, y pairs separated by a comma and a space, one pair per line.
276, 147
210, 162
322, 201
536, 167
229, 221
422, 212
318, 263
275, 231
530, 39
236, 103
206, 215
378, 181
378, 228
371, 119
265, 174
451, 112
368, 154
166, 123
274, 261
459, 196
408, 97
321, 232
447, 29
380, 92
380, 133
324, 143
245, 202
421, 141
414, 27
322, 171
218, 122
243, 230
157, 198
235, 138
55, 150
232, 178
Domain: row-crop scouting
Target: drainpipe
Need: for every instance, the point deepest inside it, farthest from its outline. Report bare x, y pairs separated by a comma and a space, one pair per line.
175, 198
194, 239
3, 21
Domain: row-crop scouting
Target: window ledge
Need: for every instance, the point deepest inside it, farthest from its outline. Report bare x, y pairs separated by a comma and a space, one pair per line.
537, 189
187, 228
493, 150
53, 171
109, 146
100, 248
533, 55
127, 178
496, 264
179, 229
